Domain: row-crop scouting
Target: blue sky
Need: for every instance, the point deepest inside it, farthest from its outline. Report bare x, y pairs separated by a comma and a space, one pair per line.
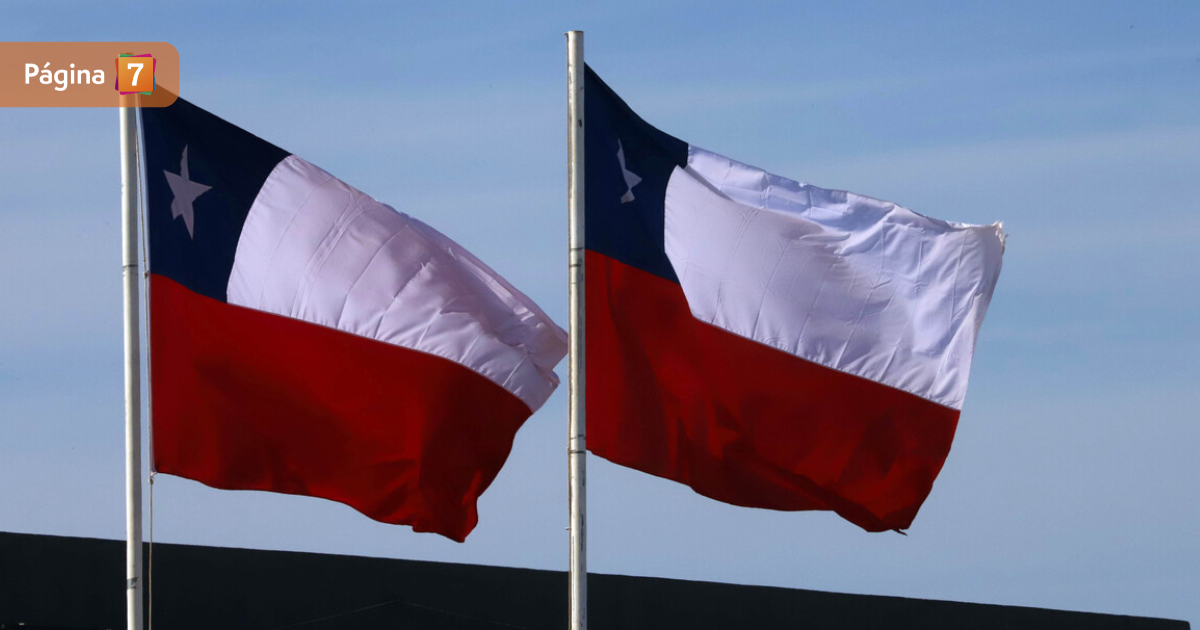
1073, 479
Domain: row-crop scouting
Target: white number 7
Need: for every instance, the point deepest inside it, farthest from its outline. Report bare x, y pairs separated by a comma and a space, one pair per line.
135, 72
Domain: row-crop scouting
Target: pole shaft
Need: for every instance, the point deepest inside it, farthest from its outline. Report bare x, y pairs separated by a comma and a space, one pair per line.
577, 444
133, 383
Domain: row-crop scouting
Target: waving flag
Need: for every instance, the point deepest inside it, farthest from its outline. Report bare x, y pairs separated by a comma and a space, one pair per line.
307, 339
770, 343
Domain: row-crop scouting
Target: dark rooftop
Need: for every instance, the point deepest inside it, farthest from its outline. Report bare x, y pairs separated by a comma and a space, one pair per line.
59, 582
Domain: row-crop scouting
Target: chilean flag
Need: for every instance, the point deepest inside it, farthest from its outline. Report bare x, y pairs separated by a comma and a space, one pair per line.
309, 340
766, 342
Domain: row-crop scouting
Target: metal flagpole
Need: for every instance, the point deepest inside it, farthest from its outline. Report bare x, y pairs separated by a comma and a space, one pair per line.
576, 423
133, 382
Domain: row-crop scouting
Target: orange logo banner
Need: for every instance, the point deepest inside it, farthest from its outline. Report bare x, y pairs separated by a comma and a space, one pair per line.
88, 74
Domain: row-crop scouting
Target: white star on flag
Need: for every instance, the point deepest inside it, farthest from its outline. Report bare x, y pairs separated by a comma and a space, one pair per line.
631, 179
185, 192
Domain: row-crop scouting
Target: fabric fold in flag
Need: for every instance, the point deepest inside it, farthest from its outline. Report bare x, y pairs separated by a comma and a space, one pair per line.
766, 342
308, 339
